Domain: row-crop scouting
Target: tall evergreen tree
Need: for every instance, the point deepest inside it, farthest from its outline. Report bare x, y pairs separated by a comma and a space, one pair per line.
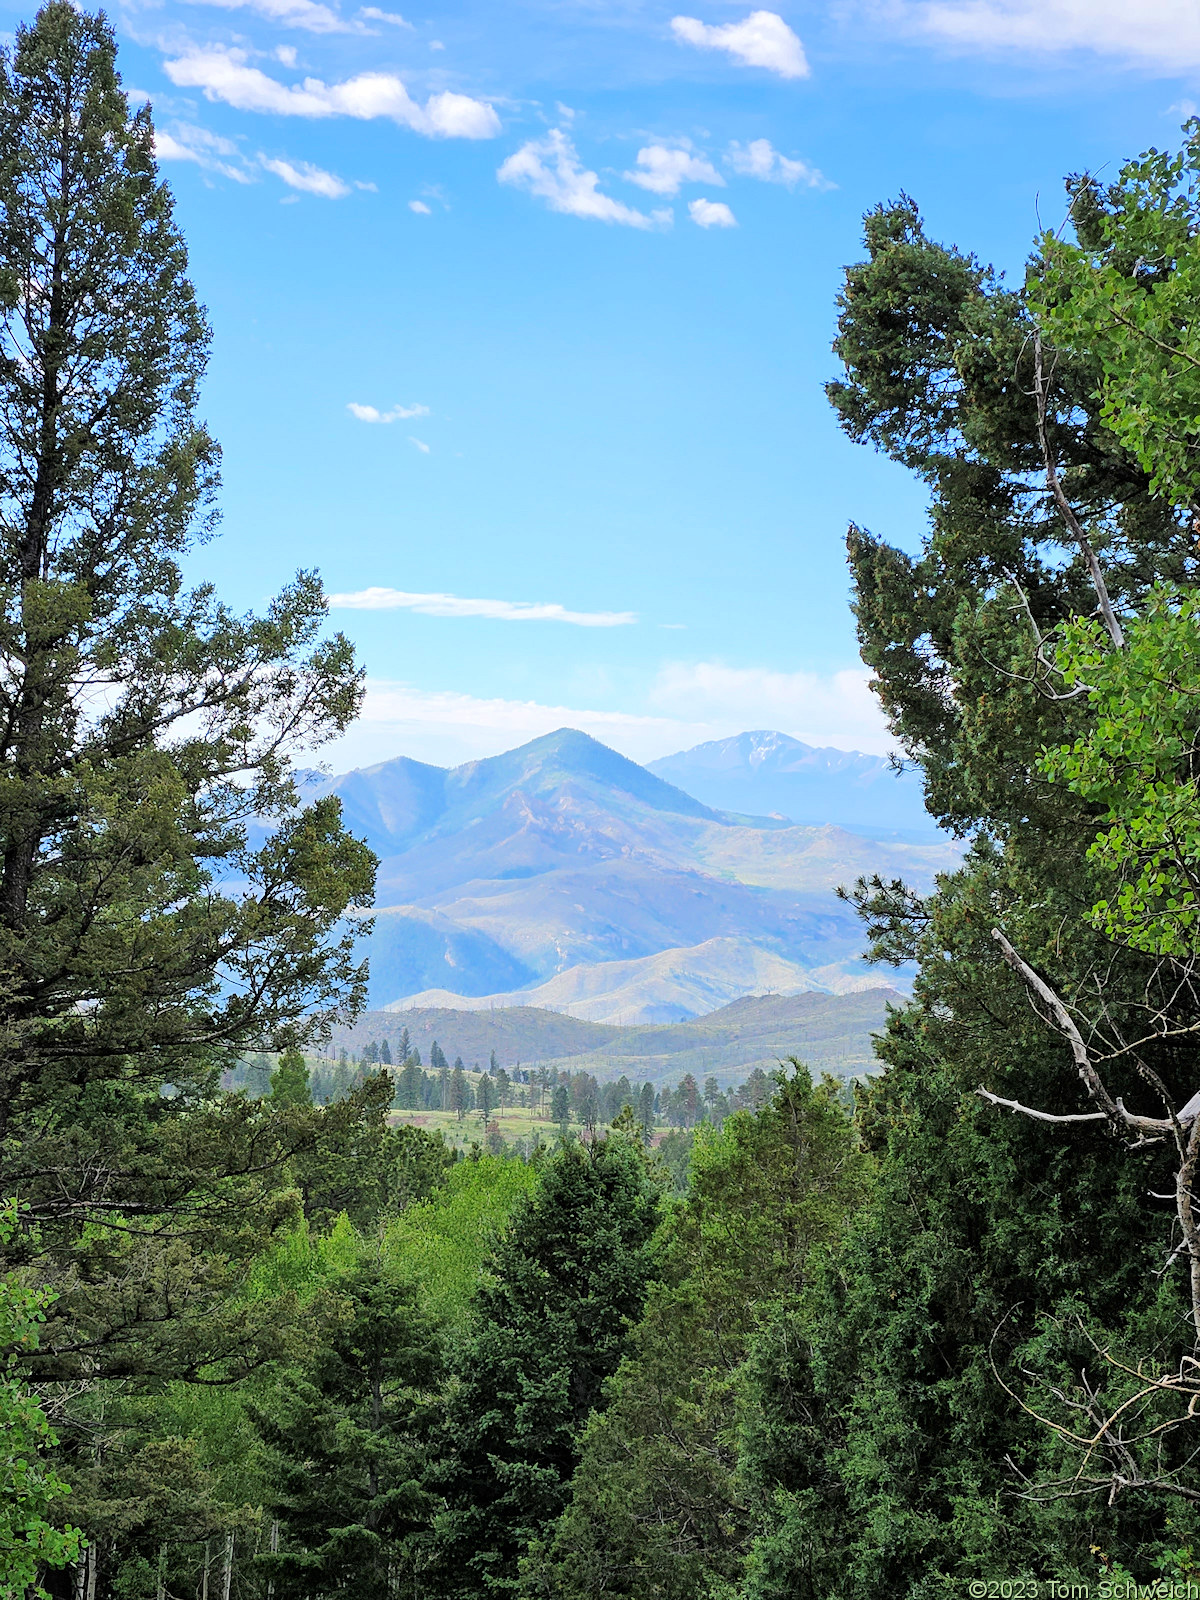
289, 1081
656, 1507
459, 1091
895, 1457
345, 1438
143, 727
549, 1327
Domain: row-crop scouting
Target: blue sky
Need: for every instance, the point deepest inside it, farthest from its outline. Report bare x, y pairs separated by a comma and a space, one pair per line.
521, 315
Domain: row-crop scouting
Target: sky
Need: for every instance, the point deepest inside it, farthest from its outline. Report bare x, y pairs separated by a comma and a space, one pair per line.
522, 312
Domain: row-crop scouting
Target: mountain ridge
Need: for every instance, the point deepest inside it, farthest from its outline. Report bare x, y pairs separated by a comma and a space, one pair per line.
505, 873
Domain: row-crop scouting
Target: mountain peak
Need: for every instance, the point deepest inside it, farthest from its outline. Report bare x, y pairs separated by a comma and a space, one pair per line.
566, 755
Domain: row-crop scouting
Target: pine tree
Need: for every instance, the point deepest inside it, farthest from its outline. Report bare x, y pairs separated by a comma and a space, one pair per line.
646, 1111
145, 725
656, 1505
549, 1327
289, 1081
485, 1096
560, 1108
891, 1451
404, 1048
385, 1053
344, 1441
459, 1091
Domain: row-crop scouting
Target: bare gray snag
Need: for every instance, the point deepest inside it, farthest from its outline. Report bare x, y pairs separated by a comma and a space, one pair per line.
1119, 1433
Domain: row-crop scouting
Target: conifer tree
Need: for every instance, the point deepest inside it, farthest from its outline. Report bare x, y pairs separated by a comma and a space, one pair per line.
549, 1327
344, 1440
460, 1089
289, 1081
143, 727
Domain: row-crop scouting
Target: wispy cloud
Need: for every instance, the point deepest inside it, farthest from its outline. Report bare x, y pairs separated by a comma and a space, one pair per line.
308, 179
835, 708
186, 142
1163, 35
664, 168
550, 169
711, 214
373, 14
419, 444
309, 15
760, 159
396, 414
452, 605
224, 75
420, 208
763, 39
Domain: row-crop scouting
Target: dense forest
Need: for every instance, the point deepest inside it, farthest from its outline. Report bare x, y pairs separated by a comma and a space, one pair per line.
260, 1342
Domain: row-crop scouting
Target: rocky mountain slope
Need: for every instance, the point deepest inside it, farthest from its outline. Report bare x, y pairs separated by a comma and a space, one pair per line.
502, 874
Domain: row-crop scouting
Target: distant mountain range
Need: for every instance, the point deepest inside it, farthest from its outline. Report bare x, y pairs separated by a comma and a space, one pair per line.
771, 773
668, 987
831, 1033
525, 873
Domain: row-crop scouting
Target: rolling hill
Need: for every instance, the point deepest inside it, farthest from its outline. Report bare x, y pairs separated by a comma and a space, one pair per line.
831, 1033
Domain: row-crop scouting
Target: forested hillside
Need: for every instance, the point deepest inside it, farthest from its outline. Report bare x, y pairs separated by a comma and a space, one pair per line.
933, 1335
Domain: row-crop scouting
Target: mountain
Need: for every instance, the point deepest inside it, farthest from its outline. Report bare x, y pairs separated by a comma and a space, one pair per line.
502, 874
672, 986
831, 1033
764, 773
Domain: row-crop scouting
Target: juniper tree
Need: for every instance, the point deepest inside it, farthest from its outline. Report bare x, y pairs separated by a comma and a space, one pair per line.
165, 903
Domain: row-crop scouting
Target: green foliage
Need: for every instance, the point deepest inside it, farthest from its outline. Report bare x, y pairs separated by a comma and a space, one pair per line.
345, 1436
131, 969
1124, 290
549, 1325
1138, 763
656, 1507
289, 1081
442, 1241
28, 1484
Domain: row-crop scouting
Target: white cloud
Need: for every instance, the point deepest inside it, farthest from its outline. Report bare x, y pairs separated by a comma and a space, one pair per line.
663, 168
419, 444
420, 208
697, 704
711, 214
286, 53
763, 39
760, 159
835, 708
307, 14
308, 179
550, 168
186, 142
1162, 35
373, 14
224, 75
452, 605
396, 414
445, 728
